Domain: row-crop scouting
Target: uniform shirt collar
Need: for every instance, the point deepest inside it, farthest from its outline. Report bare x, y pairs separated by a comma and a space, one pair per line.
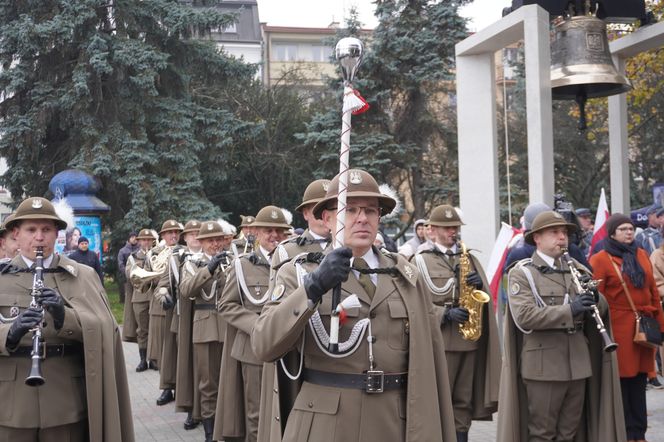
265, 253
444, 249
317, 236
549, 260
47, 261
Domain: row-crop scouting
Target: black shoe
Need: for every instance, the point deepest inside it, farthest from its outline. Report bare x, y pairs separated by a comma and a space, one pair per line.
190, 423
166, 397
152, 365
143, 365
654, 383
462, 436
208, 428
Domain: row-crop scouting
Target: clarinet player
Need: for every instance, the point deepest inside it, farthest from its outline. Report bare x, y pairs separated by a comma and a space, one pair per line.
75, 367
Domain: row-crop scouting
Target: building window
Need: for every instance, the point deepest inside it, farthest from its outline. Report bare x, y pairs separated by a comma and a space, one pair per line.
284, 52
321, 53
230, 29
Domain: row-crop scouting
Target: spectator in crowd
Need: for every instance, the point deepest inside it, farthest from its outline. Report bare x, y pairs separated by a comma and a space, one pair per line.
130, 247
627, 281
86, 256
651, 237
419, 237
585, 218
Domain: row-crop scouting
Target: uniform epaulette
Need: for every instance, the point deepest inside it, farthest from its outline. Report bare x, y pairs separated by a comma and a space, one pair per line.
522, 262
255, 259
315, 257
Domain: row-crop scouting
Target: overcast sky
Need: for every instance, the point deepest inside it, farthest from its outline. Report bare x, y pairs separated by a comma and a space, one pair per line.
320, 13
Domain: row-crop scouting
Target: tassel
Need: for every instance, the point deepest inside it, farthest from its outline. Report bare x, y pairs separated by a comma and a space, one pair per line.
351, 302
354, 102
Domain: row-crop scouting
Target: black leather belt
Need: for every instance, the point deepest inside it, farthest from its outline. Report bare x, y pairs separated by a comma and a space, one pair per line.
577, 327
50, 350
205, 307
371, 381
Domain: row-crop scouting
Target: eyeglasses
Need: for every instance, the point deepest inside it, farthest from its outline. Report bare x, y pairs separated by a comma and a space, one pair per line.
625, 229
353, 211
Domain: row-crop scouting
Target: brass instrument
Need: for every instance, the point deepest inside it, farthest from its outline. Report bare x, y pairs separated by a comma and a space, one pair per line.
35, 378
470, 298
585, 287
158, 263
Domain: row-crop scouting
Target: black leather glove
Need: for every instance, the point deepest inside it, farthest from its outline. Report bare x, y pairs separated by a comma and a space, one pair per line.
216, 261
457, 314
25, 321
167, 302
333, 270
52, 302
582, 303
474, 279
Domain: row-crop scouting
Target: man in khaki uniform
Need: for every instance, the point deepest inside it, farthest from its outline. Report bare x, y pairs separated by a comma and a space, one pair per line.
141, 295
316, 238
244, 295
8, 244
162, 301
245, 242
474, 365
556, 384
388, 379
167, 288
202, 281
84, 395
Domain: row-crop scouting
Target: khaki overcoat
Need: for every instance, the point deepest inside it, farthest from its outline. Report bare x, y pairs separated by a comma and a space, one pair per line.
602, 419
88, 319
407, 338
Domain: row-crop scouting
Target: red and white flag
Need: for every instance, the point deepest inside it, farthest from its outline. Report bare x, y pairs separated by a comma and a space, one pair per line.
599, 232
494, 271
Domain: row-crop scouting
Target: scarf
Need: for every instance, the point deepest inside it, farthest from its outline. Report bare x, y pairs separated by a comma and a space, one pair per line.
630, 265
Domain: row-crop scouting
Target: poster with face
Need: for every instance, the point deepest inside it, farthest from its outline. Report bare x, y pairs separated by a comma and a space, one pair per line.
88, 226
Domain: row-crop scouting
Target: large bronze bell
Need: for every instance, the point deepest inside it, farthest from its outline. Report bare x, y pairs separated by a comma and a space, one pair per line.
581, 64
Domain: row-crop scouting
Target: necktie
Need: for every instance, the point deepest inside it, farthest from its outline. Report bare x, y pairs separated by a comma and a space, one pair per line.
449, 254
365, 280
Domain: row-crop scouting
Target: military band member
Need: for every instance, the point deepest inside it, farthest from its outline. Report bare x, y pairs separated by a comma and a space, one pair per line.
473, 364
170, 281
162, 301
557, 383
8, 244
84, 396
244, 295
316, 238
245, 242
202, 282
128, 321
141, 295
388, 381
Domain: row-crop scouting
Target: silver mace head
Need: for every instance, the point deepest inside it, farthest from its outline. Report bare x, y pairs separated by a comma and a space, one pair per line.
349, 54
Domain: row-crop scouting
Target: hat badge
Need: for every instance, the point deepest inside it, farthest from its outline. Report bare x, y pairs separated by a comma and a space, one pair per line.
172, 223
210, 227
326, 186
557, 215
355, 177
274, 214
448, 214
36, 203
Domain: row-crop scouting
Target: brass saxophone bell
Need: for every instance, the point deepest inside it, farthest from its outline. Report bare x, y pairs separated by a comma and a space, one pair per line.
581, 64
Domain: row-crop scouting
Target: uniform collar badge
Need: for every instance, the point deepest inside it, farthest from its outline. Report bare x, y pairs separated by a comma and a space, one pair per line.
71, 269
408, 271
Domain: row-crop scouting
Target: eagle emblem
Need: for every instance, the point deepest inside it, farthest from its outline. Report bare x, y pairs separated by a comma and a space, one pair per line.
355, 177
274, 214
36, 203
448, 214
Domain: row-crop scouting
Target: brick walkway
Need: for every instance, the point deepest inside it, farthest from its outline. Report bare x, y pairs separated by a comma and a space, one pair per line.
153, 423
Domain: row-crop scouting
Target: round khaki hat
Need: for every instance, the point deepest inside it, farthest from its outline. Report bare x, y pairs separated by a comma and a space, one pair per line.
169, 225
360, 185
444, 216
192, 225
145, 234
247, 220
314, 193
210, 229
3, 228
35, 208
545, 220
271, 216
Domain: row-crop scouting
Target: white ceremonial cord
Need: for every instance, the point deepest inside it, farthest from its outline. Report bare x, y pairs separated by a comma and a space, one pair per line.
439, 291
299, 370
242, 286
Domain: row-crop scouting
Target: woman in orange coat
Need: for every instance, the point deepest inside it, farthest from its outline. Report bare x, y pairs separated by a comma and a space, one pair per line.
634, 361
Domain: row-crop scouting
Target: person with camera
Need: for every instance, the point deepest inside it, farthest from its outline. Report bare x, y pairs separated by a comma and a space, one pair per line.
627, 281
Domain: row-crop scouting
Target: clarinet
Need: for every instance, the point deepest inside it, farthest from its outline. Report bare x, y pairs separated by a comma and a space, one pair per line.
584, 287
35, 377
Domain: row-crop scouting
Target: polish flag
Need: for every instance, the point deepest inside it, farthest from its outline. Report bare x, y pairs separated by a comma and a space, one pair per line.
599, 232
497, 260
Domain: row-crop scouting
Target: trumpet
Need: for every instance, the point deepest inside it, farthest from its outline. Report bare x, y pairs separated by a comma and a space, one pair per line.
584, 287
35, 377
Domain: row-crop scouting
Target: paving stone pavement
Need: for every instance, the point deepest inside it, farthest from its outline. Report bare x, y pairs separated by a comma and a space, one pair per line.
153, 423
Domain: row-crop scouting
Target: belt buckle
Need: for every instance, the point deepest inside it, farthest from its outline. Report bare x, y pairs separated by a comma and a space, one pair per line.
375, 381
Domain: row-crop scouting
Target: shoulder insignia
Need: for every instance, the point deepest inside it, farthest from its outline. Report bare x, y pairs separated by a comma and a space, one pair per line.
514, 289
278, 292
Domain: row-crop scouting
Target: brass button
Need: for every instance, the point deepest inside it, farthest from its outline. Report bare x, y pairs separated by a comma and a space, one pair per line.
296, 312
310, 404
275, 390
276, 418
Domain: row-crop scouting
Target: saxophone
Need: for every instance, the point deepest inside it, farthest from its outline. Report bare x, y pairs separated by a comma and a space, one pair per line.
470, 298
